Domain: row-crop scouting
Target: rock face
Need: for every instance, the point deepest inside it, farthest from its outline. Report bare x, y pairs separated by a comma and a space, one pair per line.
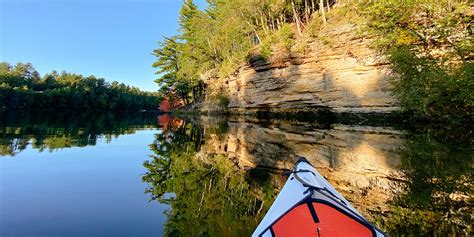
342, 75
360, 161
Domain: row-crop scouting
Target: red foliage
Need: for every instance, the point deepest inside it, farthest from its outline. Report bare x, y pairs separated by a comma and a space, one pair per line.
168, 105
167, 122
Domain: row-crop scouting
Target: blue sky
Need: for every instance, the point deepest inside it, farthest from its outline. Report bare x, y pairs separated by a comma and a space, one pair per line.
112, 39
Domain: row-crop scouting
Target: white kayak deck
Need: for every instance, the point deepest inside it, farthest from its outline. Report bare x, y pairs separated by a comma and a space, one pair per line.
296, 190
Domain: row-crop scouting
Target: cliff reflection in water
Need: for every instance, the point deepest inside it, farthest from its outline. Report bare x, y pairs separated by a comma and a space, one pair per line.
220, 177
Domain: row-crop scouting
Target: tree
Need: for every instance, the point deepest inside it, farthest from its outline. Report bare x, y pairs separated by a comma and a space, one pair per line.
168, 55
168, 104
321, 9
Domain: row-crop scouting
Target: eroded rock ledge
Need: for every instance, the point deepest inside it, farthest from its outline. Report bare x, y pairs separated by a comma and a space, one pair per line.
341, 75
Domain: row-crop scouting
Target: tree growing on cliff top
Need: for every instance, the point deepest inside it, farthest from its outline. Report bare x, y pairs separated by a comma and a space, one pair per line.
220, 38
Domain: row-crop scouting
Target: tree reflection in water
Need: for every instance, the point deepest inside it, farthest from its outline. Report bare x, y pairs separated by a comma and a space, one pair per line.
437, 197
52, 131
210, 194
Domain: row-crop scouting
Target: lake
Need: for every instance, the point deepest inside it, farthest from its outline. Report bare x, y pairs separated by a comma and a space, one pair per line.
144, 174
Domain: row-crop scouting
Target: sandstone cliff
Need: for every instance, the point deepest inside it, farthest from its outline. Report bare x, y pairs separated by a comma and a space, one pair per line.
340, 73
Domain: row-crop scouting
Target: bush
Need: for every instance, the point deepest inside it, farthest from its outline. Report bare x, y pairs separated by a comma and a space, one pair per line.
227, 68
265, 50
325, 39
430, 90
427, 43
286, 35
314, 26
223, 100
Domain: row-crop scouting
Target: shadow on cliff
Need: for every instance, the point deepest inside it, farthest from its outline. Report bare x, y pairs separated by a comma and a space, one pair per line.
273, 93
269, 143
275, 88
340, 83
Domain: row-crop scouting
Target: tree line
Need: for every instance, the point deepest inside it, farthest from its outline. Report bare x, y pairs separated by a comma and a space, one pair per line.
219, 38
22, 87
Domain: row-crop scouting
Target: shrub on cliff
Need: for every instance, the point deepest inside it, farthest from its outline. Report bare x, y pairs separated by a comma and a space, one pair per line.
429, 44
431, 90
286, 35
223, 100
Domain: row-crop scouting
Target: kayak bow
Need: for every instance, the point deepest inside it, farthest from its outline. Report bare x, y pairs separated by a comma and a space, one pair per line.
309, 206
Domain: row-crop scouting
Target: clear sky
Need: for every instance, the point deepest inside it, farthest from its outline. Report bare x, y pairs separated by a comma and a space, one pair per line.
112, 39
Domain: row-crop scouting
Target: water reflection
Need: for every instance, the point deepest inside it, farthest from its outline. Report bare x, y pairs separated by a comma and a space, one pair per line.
438, 165
220, 176
86, 186
52, 131
211, 196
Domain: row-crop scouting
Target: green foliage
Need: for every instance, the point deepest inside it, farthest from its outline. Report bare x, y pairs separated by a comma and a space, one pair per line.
220, 38
223, 100
286, 36
428, 43
173, 81
23, 88
227, 68
300, 47
265, 50
21, 76
428, 89
167, 63
314, 26
325, 39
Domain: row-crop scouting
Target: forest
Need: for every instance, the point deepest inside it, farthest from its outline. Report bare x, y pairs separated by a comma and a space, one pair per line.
22, 87
427, 42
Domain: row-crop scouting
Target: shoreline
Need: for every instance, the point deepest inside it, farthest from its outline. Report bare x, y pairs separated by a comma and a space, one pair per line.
325, 116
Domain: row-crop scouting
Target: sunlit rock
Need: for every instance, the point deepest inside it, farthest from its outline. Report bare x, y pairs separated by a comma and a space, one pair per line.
344, 75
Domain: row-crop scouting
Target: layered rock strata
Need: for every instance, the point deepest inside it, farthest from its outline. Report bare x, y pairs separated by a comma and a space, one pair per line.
342, 75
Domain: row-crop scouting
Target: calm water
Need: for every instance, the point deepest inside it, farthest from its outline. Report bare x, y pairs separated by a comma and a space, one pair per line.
148, 175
